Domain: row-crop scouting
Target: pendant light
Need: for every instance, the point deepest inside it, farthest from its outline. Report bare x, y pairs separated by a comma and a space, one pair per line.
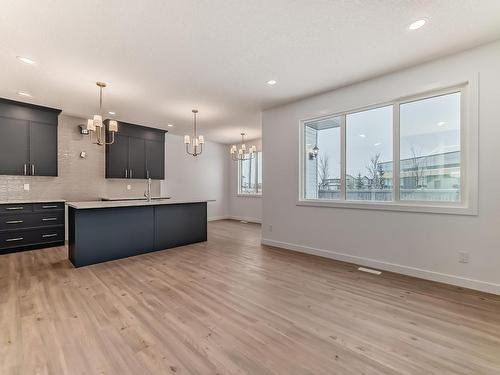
96, 125
195, 143
241, 153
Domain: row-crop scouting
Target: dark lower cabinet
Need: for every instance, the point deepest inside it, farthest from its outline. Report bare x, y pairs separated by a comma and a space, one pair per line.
103, 234
99, 235
180, 224
28, 139
31, 225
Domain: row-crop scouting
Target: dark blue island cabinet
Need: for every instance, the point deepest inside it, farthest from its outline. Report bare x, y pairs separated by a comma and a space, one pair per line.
104, 231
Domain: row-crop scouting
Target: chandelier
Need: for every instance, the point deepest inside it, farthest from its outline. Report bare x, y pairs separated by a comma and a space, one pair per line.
241, 153
96, 125
196, 142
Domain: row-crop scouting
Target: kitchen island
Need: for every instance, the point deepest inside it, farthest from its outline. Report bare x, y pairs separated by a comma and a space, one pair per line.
101, 231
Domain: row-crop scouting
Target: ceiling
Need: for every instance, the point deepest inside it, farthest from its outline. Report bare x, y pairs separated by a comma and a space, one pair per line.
161, 58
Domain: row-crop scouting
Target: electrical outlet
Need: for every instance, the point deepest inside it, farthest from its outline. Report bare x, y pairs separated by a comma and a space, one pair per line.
270, 227
26, 187
129, 187
463, 257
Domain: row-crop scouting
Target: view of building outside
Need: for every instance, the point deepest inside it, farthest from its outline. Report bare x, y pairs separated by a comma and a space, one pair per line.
430, 149
321, 169
368, 143
429, 153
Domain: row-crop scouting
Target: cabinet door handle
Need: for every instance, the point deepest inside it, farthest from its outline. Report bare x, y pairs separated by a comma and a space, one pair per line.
32, 169
147, 174
49, 235
131, 173
49, 219
14, 208
14, 239
126, 173
49, 206
25, 169
14, 222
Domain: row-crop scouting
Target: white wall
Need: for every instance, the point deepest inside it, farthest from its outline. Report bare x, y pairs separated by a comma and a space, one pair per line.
202, 177
248, 208
419, 244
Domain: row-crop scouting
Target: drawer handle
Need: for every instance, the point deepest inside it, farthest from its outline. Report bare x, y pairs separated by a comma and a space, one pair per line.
54, 206
49, 235
14, 222
14, 239
14, 208
49, 219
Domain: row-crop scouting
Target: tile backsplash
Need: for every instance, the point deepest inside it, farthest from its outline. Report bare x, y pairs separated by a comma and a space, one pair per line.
80, 179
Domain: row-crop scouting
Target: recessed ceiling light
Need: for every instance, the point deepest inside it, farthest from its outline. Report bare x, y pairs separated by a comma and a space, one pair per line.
441, 123
377, 144
170, 125
272, 82
23, 93
362, 136
26, 60
112, 113
417, 24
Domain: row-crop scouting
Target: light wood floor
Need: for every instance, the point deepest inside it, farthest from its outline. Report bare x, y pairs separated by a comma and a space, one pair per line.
230, 306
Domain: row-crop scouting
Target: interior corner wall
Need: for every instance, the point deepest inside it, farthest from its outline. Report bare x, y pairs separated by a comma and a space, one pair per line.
203, 177
419, 244
247, 208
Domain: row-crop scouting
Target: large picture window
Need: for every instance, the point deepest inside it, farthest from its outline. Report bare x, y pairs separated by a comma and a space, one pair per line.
430, 149
322, 159
369, 155
250, 175
406, 153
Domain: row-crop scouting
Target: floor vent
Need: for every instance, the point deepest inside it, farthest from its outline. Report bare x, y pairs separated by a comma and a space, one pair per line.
369, 270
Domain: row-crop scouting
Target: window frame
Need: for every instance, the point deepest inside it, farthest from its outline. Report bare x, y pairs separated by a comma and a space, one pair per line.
257, 193
469, 124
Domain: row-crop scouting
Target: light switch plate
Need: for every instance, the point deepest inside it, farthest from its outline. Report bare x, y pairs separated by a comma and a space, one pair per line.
26, 187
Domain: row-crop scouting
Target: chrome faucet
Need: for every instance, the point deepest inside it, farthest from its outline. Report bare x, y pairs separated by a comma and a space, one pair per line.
147, 193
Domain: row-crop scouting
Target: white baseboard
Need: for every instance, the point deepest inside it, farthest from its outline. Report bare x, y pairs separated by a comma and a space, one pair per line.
482, 286
249, 219
215, 218
239, 218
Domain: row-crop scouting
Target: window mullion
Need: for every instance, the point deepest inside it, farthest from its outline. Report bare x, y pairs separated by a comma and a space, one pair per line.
396, 150
256, 161
342, 158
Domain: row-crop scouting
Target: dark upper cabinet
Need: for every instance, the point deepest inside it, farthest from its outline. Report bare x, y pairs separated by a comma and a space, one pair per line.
117, 157
137, 157
28, 139
43, 149
155, 160
138, 152
14, 147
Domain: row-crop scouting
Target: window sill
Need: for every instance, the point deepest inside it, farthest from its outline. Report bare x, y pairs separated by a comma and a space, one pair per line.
388, 206
249, 195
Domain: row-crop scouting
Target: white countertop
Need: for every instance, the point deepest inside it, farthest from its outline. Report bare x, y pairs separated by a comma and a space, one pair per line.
140, 198
26, 201
129, 203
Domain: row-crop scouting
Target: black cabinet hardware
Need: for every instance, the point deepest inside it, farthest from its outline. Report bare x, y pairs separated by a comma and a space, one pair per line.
28, 139
31, 225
